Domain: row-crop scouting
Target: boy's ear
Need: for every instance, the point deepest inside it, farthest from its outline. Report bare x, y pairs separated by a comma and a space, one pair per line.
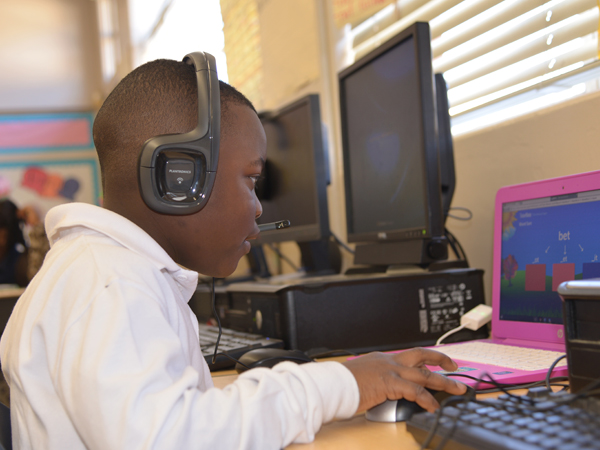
176, 172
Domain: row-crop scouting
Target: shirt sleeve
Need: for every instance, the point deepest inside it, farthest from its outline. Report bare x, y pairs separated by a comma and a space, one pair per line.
124, 378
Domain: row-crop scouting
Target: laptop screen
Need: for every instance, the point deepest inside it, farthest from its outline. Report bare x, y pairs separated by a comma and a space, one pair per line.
546, 241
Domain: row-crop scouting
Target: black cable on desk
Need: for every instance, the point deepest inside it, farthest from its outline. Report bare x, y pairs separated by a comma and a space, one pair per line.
551, 369
520, 401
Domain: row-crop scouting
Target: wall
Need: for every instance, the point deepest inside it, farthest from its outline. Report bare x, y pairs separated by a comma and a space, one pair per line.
559, 141
243, 48
49, 56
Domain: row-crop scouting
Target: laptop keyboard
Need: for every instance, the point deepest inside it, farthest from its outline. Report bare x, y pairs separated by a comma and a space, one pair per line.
513, 423
234, 343
518, 358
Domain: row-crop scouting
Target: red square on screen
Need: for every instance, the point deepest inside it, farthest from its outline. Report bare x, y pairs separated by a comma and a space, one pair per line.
535, 277
562, 272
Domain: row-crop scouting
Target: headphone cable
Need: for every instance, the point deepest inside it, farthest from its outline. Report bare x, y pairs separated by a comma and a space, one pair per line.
214, 309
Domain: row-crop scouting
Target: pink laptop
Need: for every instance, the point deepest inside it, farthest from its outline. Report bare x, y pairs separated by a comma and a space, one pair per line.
545, 232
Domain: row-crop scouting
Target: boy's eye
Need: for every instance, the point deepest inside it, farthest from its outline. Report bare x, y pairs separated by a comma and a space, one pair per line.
255, 179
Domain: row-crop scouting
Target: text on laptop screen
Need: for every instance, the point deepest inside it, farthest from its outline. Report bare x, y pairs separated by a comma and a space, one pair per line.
546, 241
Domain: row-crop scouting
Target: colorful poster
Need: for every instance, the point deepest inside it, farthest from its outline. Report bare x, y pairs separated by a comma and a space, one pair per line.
48, 159
47, 183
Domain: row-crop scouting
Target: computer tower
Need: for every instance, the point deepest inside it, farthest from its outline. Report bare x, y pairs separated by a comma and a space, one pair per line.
581, 317
360, 312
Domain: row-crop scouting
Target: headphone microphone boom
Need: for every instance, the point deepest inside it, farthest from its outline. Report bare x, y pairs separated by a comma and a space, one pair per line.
176, 172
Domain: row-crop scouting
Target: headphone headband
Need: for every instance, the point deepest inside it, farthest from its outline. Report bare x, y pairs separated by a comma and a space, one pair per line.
177, 171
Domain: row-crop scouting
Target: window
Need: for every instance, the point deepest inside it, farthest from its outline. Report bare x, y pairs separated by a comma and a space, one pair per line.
501, 59
109, 39
172, 28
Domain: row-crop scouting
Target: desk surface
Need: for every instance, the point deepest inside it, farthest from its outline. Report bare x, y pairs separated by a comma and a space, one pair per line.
354, 434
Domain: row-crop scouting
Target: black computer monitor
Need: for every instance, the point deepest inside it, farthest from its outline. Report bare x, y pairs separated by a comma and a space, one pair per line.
445, 144
294, 185
390, 149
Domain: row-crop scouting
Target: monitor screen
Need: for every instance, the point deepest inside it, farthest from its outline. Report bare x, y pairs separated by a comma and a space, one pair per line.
390, 145
546, 241
294, 184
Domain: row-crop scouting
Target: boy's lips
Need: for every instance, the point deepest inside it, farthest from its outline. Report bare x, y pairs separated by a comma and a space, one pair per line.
253, 235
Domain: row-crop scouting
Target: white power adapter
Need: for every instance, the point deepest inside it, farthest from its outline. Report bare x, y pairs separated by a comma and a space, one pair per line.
477, 317
473, 320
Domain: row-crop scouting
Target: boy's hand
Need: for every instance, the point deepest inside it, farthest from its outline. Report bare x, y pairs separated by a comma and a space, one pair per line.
402, 375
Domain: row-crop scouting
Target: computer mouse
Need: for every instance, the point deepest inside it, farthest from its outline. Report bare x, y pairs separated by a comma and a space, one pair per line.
402, 409
268, 357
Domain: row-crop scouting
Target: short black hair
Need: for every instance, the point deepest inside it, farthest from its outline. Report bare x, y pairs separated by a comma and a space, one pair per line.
159, 97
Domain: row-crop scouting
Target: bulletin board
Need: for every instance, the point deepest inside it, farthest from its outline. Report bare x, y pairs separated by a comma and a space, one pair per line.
48, 159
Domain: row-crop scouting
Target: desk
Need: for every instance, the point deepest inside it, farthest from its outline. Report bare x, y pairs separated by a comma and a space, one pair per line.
353, 434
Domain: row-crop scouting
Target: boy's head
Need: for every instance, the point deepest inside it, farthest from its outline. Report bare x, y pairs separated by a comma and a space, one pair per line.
159, 98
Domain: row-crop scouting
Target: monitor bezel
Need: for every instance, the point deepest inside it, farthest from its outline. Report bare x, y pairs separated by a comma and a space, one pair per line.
320, 229
433, 226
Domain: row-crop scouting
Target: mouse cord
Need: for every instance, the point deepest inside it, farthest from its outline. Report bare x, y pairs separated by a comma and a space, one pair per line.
214, 310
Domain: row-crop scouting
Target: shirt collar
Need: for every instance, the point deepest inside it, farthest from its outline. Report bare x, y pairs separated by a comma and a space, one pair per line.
63, 219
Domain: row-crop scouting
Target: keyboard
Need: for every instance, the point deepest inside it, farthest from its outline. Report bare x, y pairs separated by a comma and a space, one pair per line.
234, 343
520, 358
509, 423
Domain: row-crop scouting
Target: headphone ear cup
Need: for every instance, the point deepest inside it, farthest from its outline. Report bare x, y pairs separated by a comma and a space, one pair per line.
180, 172
176, 172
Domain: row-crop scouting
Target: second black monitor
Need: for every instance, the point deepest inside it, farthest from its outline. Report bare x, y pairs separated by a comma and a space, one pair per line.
294, 186
390, 146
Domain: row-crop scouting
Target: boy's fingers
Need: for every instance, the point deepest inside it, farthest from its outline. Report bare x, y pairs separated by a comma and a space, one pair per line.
385, 376
417, 357
424, 377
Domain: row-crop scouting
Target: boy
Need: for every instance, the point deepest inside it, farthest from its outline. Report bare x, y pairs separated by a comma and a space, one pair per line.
102, 351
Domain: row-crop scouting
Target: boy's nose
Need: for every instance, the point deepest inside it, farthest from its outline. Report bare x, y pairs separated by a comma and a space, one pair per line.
259, 209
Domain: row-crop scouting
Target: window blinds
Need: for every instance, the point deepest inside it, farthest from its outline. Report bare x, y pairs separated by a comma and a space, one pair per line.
490, 50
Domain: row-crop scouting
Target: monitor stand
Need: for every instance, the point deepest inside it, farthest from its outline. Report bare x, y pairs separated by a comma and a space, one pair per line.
419, 255
258, 262
320, 257
416, 251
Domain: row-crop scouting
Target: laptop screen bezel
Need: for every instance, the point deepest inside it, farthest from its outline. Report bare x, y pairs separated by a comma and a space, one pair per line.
507, 329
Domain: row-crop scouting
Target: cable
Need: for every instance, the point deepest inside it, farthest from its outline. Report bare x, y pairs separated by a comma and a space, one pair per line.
520, 402
510, 386
452, 244
342, 244
556, 361
469, 215
473, 319
452, 238
448, 333
214, 310
283, 257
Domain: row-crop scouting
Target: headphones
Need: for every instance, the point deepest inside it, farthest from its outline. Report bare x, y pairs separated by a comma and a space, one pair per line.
177, 171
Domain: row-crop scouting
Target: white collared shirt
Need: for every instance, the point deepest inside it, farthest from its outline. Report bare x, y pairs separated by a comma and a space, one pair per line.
101, 352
